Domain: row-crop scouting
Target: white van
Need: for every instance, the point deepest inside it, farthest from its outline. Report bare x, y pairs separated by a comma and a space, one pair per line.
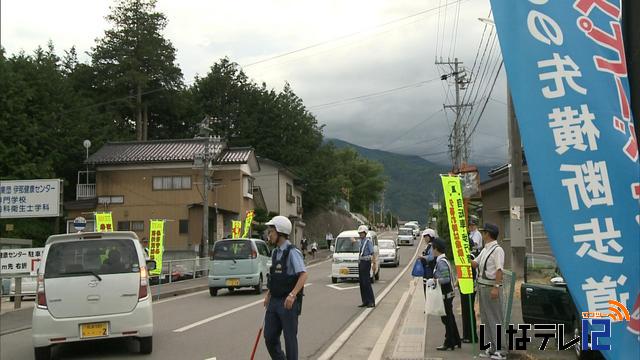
92, 286
405, 236
346, 254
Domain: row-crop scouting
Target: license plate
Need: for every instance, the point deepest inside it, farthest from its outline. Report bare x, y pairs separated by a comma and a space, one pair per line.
94, 330
233, 282
344, 271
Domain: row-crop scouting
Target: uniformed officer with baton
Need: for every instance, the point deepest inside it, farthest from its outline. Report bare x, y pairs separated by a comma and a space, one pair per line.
283, 301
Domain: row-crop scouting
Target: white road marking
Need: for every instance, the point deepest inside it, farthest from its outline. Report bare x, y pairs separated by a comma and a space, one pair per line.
210, 358
346, 334
337, 287
180, 297
221, 315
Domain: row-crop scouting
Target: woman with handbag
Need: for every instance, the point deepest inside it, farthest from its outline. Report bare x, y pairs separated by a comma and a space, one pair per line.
443, 276
427, 259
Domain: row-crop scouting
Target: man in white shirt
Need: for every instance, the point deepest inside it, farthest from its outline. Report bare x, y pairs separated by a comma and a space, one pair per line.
474, 235
490, 264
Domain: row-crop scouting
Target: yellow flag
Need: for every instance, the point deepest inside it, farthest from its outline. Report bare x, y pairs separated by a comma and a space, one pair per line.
458, 231
104, 222
247, 223
236, 229
156, 244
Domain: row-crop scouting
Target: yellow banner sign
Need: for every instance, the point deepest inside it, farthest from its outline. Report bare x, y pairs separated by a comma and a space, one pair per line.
104, 222
458, 231
236, 229
247, 223
156, 244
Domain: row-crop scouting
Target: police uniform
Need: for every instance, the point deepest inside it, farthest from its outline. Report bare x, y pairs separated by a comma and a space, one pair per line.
286, 266
364, 271
443, 273
490, 260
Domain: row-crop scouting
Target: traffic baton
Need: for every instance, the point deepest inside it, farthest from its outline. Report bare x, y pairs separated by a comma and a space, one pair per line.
255, 346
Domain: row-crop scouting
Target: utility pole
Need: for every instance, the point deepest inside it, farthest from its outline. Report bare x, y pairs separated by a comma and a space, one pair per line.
206, 156
457, 142
516, 192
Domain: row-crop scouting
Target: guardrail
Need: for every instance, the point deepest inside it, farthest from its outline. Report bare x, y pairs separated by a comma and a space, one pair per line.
172, 271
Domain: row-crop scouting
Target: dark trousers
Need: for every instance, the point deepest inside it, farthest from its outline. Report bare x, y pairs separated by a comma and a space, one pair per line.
278, 320
451, 336
468, 317
366, 291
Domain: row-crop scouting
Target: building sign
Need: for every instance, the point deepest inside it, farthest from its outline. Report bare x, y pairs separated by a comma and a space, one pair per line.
104, 222
567, 71
247, 223
458, 231
156, 244
20, 261
30, 198
236, 229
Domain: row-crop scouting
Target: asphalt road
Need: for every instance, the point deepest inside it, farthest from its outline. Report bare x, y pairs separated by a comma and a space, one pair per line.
198, 326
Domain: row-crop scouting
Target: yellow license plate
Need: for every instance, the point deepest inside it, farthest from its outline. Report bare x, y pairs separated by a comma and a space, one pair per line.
94, 330
344, 271
233, 282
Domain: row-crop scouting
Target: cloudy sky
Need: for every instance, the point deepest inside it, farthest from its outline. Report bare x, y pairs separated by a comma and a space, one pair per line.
365, 68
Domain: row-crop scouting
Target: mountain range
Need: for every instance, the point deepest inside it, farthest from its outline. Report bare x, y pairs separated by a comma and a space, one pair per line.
413, 182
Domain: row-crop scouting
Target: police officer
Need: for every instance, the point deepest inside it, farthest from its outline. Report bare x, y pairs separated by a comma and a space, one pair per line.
490, 264
364, 267
283, 301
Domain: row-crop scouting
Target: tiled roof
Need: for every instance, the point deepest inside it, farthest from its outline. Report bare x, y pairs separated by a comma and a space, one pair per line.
183, 150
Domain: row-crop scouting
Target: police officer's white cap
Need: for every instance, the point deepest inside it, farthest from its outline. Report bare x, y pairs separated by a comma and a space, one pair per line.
363, 229
281, 223
429, 232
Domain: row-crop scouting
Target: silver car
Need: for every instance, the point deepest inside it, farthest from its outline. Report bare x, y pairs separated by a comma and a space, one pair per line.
389, 252
238, 263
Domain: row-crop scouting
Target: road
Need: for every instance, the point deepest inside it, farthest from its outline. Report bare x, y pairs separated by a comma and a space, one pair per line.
198, 326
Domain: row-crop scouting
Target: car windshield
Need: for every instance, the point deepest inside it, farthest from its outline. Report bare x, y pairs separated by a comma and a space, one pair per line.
232, 250
386, 244
348, 245
405, 232
91, 257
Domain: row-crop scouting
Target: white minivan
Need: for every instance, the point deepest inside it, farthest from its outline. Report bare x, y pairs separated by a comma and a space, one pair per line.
92, 286
346, 254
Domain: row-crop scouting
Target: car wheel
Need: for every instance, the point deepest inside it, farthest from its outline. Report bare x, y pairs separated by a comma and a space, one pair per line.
146, 345
258, 288
334, 280
213, 291
42, 353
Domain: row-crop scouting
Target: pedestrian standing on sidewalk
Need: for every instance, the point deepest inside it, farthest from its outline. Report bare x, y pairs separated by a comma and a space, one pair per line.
443, 275
364, 267
303, 246
283, 301
490, 264
427, 258
314, 249
467, 301
329, 238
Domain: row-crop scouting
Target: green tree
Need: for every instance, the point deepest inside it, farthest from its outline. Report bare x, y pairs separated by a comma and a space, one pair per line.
134, 62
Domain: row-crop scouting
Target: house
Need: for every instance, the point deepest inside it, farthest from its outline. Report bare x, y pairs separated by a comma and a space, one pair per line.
496, 209
282, 190
143, 180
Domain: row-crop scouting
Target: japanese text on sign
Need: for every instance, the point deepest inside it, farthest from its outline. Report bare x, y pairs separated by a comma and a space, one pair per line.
20, 261
156, 244
30, 198
104, 222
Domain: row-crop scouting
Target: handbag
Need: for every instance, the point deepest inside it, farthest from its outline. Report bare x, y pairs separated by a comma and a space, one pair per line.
418, 269
434, 305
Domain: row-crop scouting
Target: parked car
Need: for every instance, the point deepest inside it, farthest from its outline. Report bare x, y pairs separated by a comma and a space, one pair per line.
405, 236
545, 299
346, 254
238, 263
28, 288
92, 286
389, 252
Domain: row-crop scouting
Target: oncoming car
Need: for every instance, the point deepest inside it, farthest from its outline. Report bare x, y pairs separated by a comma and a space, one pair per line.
346, 254
405, 236
388, 253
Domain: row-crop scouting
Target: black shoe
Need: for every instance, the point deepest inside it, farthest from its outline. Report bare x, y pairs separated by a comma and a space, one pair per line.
445, 348
371, 305
459, 345
362, 305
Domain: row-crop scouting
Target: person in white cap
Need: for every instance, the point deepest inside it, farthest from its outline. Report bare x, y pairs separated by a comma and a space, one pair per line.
283, 301
427, 258
364, 268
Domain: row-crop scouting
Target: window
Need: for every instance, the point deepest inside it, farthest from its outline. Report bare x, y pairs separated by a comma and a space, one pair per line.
106, 200
171, 182
137, 226
184, 227
124, 226
290, 197
100, 257
247, 186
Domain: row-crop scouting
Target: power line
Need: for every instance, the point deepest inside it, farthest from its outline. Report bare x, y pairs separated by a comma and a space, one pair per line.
484, 106
410, 129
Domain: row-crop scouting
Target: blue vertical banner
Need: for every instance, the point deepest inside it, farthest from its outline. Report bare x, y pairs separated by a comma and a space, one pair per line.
567, 72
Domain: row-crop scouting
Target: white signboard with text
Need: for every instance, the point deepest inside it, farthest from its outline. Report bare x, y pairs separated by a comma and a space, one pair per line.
20, 261
30, 198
